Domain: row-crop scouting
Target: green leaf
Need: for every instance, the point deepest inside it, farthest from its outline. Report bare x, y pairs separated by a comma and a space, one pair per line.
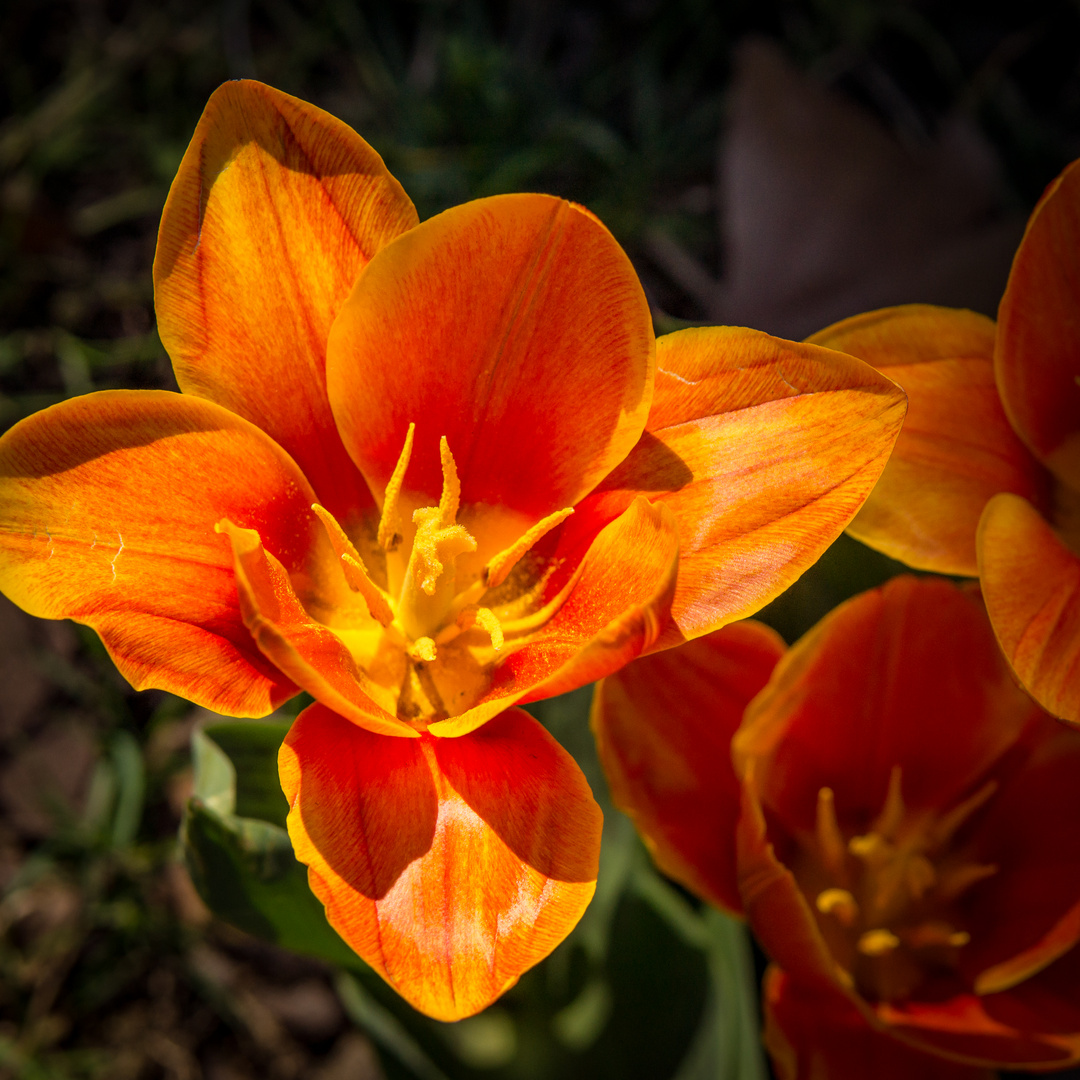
237, 762
728, 1042
238, 851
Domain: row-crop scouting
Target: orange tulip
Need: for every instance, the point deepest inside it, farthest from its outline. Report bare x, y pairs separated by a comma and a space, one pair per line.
896, 821
986, 474
423, 472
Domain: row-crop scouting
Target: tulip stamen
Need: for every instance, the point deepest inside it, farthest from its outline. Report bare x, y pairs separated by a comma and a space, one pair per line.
947, 826
356, 574
936, 935
877, 942
892, 904
428, 591
486, 620
423, 649
892, 813
840, 904
958, 880
389, 534
829, 837
497, 569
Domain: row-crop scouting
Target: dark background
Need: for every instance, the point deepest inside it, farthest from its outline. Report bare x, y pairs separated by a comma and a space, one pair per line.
779, 165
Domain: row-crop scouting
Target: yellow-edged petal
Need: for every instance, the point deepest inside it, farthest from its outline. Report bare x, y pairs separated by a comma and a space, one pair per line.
311, 654
275, 210
1037, 358
763, 450
108, 504
450, 865
1031, 584
956, 449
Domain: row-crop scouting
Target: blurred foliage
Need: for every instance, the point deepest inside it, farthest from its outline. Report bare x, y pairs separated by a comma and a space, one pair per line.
109, 964
588, 1011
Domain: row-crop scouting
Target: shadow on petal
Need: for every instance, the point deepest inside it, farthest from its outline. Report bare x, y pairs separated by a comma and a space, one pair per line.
367, 803
450, 895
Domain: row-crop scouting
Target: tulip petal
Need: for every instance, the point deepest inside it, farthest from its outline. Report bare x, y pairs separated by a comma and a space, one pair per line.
311, 654
275, 210
663, 727
956, 449
816, 1036
774, 905
107, 510
1046, 1002
1038, 347
514, 326
876, 684
1028, 914
963, 1027
450, 865
614, 613
763, 450
1031, 584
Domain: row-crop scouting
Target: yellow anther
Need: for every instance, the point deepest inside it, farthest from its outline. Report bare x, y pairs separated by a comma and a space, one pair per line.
870, 846
936, 935
877, 942
840, 904
353, 567
486, 620
389, 534
423, 648
497, 569
829, 837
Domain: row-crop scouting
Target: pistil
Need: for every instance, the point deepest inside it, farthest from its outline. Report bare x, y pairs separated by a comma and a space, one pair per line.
423, 606
430, 584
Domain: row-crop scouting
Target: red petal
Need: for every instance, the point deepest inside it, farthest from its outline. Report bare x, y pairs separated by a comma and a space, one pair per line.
816, 1036
956, 449
450, 865
763, 450
663, 727
1038, 346
1028, 914
774, 905
1031, 583
909, 675
965, 1028
275, 210
107, 510
514, 326
1046, 1002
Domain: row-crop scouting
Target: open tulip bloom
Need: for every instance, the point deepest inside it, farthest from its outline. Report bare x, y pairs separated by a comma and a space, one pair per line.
896, 820
424, 472
986, 474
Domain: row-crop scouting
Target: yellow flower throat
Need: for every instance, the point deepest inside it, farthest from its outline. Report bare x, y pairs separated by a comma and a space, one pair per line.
425, 606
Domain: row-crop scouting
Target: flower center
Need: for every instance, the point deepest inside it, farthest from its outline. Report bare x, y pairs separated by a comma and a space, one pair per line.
437, 640
887, 899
